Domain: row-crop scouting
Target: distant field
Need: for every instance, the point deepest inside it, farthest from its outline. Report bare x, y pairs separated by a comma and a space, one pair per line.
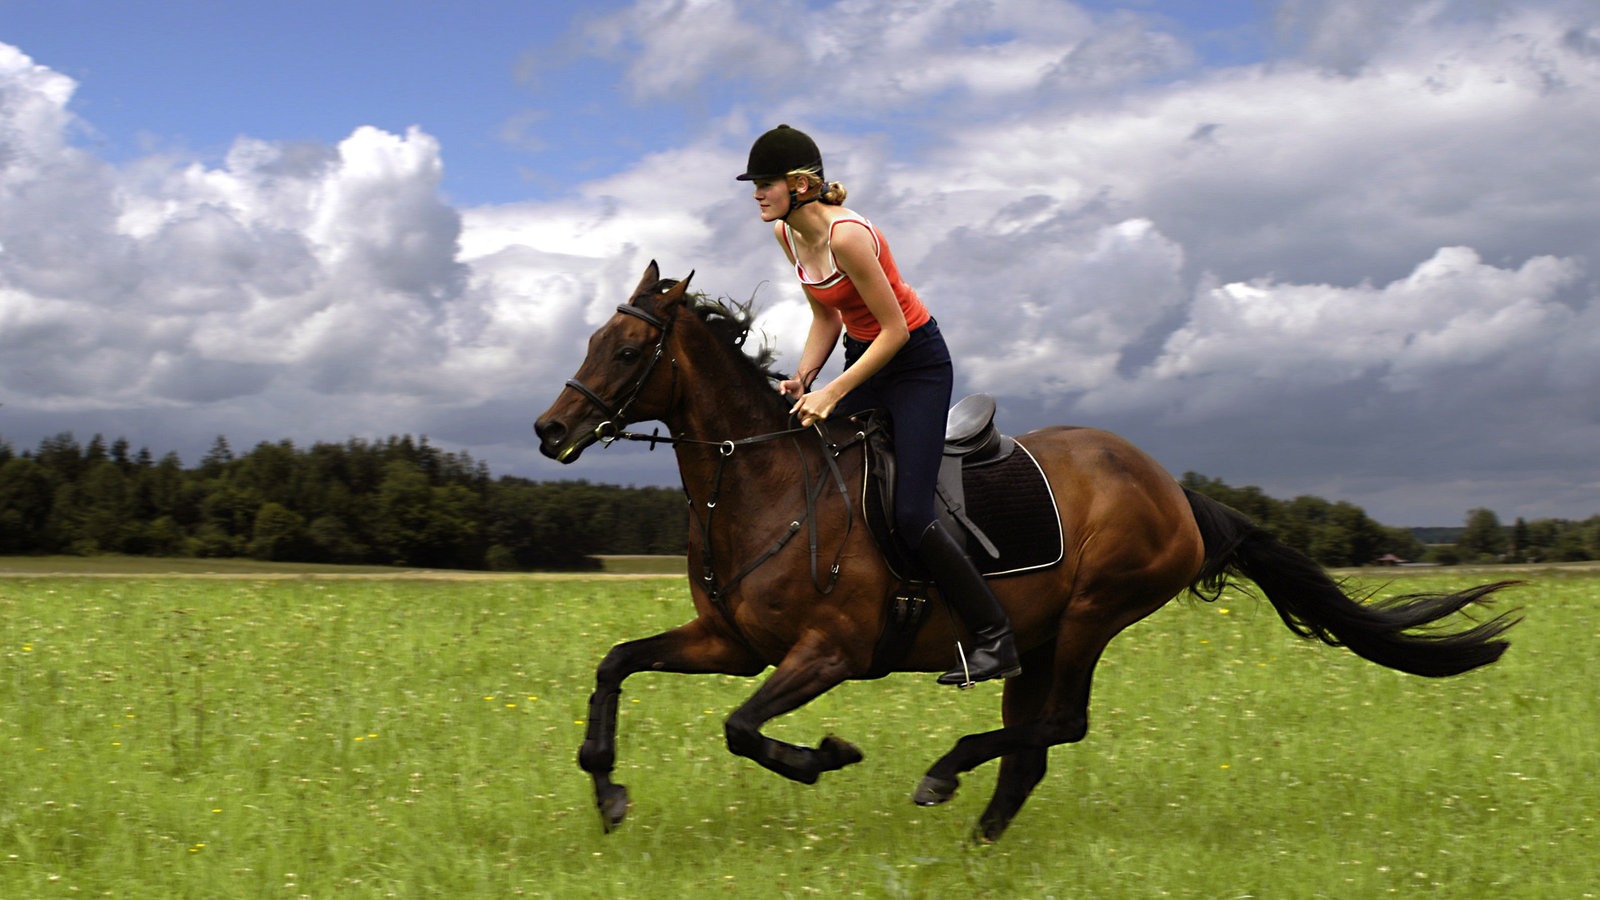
256, 734
645, 565
610, 565
144, 566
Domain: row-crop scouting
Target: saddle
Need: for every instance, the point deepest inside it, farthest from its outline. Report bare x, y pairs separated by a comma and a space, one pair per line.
990, 490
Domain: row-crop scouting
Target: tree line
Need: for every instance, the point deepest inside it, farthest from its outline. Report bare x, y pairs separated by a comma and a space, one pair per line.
398, 501
1341, 534
402, 501
1484, 539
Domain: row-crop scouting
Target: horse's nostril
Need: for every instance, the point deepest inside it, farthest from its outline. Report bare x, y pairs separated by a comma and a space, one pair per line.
550, 432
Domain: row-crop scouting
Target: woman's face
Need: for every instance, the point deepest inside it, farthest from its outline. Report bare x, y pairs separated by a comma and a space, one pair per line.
772, 196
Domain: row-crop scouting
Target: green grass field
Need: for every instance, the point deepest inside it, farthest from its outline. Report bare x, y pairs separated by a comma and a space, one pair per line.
288, 733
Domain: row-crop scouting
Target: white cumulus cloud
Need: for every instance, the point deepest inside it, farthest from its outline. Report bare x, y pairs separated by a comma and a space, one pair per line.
1363, 266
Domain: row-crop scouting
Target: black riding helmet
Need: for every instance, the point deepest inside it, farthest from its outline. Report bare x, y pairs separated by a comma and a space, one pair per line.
779, 152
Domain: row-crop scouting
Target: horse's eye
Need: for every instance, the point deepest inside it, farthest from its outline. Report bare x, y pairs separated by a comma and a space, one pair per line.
628, 355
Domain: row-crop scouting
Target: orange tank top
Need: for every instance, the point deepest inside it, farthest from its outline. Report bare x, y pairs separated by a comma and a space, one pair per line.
835, 290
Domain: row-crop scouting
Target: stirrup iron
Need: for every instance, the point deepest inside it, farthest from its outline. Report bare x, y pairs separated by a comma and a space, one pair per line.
966, 683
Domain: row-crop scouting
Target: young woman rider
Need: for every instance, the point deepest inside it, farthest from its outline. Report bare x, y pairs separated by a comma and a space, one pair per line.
895, 359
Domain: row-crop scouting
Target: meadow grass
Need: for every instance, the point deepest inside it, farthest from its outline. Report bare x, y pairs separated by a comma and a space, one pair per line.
301, 735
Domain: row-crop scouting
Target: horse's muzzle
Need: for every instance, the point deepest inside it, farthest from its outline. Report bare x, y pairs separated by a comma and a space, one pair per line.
552, 440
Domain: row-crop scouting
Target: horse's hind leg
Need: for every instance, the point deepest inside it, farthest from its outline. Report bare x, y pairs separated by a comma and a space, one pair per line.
693, 648
1063, 718
1020, 772
805, 674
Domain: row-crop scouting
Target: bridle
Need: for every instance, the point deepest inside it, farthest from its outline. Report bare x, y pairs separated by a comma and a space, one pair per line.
611, 428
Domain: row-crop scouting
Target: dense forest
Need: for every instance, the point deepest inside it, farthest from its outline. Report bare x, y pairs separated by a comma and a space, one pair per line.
1340, 534
401, 501
398, 501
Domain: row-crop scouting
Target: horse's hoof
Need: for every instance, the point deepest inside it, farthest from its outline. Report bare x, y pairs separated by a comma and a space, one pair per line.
840, 752
987, 833
613, 803
934, 791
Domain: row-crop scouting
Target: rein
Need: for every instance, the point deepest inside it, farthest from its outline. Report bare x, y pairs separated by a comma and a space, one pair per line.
610, 431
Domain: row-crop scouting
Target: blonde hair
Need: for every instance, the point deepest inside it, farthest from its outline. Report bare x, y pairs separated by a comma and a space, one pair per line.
833, 193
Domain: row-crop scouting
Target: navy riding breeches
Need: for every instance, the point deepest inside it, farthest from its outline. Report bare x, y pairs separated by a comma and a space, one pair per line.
915, 389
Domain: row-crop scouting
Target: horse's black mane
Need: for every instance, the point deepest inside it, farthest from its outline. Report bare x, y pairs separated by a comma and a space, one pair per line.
730, 321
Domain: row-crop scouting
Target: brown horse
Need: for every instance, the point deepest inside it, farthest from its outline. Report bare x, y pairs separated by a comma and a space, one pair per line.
814, 607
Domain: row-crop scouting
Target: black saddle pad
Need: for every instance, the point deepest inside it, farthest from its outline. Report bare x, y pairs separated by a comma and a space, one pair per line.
1010, 501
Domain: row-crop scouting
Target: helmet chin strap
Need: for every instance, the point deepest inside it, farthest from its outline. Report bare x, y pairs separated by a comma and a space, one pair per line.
795, 203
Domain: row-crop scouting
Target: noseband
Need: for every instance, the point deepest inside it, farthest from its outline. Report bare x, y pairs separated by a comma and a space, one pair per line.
608, 430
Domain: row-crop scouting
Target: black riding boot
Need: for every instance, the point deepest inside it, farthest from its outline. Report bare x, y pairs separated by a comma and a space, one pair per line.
995, 652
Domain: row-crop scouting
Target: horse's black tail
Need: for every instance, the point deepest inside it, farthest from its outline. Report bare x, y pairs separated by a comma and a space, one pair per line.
1314, 605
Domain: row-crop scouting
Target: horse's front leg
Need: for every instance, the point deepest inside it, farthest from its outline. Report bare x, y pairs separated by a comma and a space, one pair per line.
809, 671
694, 648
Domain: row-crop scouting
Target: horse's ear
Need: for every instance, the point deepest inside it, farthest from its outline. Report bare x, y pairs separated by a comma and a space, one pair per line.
652, 274
677, 292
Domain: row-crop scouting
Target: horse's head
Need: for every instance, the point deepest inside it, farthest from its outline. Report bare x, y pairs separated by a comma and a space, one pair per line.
621, 381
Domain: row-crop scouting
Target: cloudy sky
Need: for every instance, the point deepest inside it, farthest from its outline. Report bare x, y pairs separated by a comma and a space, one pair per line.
1336, 247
